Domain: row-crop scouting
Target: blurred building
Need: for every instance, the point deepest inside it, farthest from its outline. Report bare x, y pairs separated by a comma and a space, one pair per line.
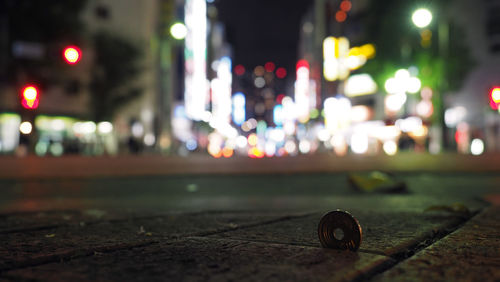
64, 110
469, 108
28, 60
136, 21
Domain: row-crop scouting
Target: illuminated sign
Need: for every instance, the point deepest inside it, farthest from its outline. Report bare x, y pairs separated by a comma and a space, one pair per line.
359, 84
339, 60
196, 85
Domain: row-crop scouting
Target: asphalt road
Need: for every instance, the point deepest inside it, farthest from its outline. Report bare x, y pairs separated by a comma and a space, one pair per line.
287, 192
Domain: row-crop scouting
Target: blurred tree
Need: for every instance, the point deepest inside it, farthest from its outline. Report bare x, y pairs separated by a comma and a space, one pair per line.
443, 59
438, 51
115, 68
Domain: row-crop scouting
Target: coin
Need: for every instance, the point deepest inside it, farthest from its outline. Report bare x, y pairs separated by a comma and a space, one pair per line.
339, 230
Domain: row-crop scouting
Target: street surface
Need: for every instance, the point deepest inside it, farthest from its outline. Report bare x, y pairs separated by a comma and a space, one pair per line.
156, 219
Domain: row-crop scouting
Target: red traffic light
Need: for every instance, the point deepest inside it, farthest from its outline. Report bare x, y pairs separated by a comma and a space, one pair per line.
495, 97
72, 55
29, 97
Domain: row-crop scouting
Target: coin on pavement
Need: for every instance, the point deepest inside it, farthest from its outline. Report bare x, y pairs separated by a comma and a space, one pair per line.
339, 230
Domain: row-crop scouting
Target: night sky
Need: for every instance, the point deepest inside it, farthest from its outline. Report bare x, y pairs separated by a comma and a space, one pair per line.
263, 30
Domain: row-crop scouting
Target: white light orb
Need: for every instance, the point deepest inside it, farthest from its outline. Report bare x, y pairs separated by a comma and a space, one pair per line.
241, 141
394, 102
477, 147
402, 74
390, 147
422, 18
25, 127
359, 143
178, 31
304, 146
104, 127
413, 85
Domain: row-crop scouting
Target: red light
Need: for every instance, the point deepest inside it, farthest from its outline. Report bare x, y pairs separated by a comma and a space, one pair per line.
279, 98
302, 63
29, 99
269, 66
72, 54
345, 5
495, 97
281, 72
340, 16
239, 70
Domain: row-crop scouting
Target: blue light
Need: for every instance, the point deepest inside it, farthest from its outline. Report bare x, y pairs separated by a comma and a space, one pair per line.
179, 111
191, 145
278, 115
226, 61
239, 112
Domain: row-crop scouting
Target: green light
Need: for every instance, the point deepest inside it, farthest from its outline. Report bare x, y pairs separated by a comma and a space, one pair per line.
314, 113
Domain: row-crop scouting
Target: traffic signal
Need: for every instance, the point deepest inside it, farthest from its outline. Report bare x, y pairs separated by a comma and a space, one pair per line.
29, 97
72, 54
495, 97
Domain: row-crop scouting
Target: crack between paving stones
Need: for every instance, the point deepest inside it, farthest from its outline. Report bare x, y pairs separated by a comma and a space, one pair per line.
73, 254
373, 252
35, 228
419, 245
62, 225
244, 226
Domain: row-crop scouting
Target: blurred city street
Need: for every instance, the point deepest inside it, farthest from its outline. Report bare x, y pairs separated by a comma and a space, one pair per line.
245, 219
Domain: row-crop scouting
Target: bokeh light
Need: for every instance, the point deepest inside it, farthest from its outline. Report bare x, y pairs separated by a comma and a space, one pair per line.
359, 143
340, 16
269, 66
422, 17
390, 147
345, 5
281, 72
72, 54
178, 31
25, 127
104, 127
477, 147
259, 71
239, 70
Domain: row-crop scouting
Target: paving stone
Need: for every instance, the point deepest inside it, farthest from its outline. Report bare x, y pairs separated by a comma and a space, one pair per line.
21, 248
472, 253
388, 233
210, 259
21, 221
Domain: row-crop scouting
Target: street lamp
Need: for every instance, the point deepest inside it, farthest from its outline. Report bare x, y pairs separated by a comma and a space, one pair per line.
421, 17
178, 31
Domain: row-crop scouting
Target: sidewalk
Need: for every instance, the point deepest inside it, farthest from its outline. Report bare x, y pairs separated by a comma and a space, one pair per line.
156, 219
82, 245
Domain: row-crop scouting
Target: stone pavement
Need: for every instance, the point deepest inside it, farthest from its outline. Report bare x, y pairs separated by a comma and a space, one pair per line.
100, 245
